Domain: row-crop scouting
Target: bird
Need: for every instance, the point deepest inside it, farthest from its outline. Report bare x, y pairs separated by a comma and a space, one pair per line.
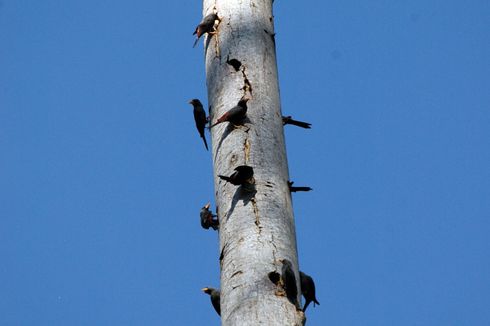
289, 281
215, 298
235, 115
205, 26
200, 119
242, 175
295, 189
290, 121
307, 289
207, 220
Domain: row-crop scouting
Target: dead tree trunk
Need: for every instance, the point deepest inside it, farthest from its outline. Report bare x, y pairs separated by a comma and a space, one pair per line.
256, 228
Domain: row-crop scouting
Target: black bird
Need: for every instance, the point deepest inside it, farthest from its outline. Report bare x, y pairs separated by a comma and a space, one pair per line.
205, 26
307, 290
295, 189
215, 298
242, 175
207, 220
289, 281
200, 118
290, 121
235, 115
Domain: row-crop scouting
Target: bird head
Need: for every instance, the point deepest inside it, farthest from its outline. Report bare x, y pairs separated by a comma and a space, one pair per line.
195, 102
285, 262
207, 206
244, 100
207, 290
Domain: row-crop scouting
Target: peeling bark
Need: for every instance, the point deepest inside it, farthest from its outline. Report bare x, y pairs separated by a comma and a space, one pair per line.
256, 227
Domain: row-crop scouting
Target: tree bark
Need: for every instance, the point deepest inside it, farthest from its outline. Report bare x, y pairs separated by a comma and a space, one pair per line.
256, 228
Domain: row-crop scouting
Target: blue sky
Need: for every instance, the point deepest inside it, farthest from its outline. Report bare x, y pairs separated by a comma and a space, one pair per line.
102, 173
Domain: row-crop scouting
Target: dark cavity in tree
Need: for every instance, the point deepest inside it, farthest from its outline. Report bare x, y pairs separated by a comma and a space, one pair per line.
234, 63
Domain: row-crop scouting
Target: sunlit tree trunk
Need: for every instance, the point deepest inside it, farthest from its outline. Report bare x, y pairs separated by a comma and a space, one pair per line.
256, 228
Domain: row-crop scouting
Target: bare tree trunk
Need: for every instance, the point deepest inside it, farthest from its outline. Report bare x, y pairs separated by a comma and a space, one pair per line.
256, 228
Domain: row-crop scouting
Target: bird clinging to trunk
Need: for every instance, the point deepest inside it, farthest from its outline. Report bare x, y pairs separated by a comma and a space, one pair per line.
290, 121
289, 282
200, 118
207, 220
295, 189
242, 175
236, 114
205, 26
215, 298
307, 289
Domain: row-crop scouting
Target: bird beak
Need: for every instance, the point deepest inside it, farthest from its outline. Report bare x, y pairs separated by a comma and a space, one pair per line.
207, 205
204, 289
190, 102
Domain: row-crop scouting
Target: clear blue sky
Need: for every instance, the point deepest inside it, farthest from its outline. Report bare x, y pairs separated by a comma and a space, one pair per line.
102, 173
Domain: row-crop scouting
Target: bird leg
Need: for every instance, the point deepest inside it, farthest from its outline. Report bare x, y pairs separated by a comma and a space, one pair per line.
241, 126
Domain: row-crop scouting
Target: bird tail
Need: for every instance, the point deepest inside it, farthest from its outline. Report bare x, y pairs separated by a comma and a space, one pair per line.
306, 305
301, 124
315, 301
205, 142
293, 299
295, 189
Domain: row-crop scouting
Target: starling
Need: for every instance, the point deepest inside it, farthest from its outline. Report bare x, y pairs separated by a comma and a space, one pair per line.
200, 118
295, 189
215, 298
235, 115
205, 26
242, 175
307, 290
289, 121
289, 281
207, 220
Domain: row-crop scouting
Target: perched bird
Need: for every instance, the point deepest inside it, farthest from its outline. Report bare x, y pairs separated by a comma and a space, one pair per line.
307, 290
200, 118
205, 26
236, 114
290, 121
207, 220
295, 189
215, 298
289, 281
242, 175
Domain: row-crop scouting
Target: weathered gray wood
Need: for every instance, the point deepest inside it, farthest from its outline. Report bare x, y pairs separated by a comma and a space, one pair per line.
256, 230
